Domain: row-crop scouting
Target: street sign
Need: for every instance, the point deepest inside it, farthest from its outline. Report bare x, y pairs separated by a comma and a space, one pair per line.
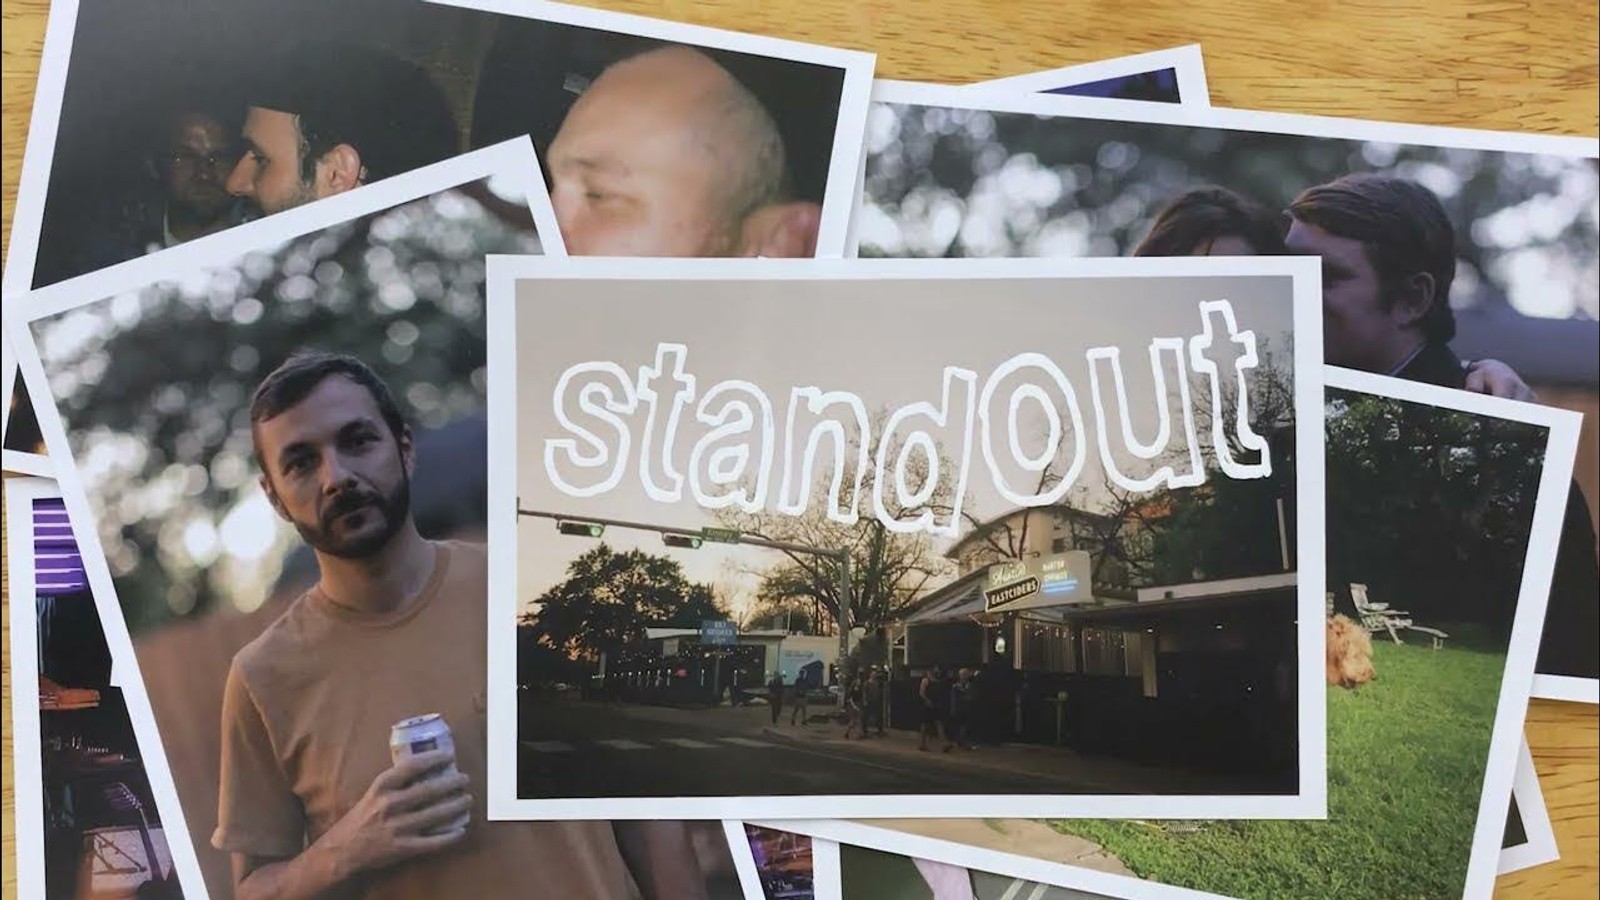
1060, 579
997, 597
718, 632
721, 535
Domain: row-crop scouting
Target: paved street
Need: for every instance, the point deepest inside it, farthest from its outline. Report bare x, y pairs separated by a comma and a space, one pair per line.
578, 749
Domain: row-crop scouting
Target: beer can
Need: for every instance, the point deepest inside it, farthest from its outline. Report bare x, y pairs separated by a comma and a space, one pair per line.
424, 734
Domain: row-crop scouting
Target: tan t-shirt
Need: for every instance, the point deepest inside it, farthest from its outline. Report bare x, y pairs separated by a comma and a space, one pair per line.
305, 729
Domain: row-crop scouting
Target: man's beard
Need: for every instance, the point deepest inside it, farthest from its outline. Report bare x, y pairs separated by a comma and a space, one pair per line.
201, 206
393, 510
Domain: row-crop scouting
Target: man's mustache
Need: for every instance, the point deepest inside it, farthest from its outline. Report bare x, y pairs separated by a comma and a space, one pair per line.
346, 502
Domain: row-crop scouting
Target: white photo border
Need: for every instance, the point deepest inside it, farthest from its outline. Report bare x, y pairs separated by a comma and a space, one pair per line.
1568, 688
512, 160
983, 97
33, 186
1540, 846
27, 773
844, 159
1185, 61
1517, 677
744, 861
38, 155
1309, 801
827, 881
16, 460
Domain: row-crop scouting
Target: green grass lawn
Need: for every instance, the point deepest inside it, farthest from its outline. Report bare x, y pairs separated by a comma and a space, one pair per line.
1406, 757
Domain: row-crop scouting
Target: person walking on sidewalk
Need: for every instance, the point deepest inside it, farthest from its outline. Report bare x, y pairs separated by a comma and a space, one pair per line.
800, 710
852, 708
933, 694
962, 697
775, 695
872, 704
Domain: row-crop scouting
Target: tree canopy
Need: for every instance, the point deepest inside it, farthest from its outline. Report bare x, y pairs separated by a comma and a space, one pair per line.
608, 600
955, 182
1431, 508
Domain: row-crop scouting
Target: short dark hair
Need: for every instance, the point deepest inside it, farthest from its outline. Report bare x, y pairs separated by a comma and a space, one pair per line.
1200, 216
1403, 227
299, 375
388, 108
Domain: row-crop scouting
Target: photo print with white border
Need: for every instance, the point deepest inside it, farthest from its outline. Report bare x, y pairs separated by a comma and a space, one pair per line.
1443, 714
1025, 175
228, 112
191, 565
1524, 847
1174, 75
87, 821
692, 445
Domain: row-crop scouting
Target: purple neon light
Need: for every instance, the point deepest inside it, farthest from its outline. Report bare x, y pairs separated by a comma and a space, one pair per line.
57, 564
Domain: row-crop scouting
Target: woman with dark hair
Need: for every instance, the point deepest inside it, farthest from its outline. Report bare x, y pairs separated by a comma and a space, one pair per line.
1213, 221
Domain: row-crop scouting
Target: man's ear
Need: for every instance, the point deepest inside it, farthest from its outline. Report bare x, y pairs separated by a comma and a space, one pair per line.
339, 170
272, 497
408, 451
1415, 297
782, 230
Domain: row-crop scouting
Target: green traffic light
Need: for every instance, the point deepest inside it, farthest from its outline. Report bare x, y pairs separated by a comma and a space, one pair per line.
581, 529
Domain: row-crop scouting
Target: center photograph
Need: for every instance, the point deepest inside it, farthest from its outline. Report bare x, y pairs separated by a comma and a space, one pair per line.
869, 538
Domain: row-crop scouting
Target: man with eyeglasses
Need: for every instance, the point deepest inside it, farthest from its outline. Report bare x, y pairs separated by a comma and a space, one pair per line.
189, 169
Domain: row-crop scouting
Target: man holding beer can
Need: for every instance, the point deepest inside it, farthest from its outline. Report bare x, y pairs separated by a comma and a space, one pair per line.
353, 751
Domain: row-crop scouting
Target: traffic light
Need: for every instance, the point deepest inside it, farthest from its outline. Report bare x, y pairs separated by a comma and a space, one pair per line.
685, 541
581, 529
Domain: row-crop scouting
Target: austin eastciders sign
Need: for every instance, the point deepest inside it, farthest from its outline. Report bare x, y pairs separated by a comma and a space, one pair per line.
1054, 580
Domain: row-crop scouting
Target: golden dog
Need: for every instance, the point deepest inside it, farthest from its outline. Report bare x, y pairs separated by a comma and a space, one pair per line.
1349, 653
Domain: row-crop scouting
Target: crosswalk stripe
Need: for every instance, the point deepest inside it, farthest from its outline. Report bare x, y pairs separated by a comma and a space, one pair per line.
746, 742
620, 744
549, 746
687, 743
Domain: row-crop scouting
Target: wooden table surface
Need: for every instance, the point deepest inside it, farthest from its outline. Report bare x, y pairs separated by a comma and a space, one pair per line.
1474, 63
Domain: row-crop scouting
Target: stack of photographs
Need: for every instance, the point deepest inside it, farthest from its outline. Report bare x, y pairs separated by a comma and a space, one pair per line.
1053, 488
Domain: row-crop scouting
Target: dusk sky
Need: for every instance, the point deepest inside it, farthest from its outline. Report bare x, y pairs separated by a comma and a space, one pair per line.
887, 341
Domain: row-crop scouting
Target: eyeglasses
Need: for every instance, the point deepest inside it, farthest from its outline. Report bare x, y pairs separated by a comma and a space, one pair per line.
188, 159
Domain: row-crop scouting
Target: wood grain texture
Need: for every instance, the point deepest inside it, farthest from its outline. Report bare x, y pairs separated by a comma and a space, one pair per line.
1475, 63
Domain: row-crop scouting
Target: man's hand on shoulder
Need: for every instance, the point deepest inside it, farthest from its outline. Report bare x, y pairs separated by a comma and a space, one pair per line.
1495, 378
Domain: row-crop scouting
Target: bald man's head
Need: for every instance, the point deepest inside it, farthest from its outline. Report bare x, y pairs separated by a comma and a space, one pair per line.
666, 154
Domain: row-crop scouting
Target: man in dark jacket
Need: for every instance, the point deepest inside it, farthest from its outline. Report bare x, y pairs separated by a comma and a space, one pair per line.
1388, 259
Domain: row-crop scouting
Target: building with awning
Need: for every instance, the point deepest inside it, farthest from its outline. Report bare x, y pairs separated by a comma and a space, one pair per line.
1200, 672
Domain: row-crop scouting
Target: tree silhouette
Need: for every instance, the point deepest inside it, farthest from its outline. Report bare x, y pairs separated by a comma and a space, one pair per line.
608, 600
889, 570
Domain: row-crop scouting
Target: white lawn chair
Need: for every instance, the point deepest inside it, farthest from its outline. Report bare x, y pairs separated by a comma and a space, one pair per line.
1376, 617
